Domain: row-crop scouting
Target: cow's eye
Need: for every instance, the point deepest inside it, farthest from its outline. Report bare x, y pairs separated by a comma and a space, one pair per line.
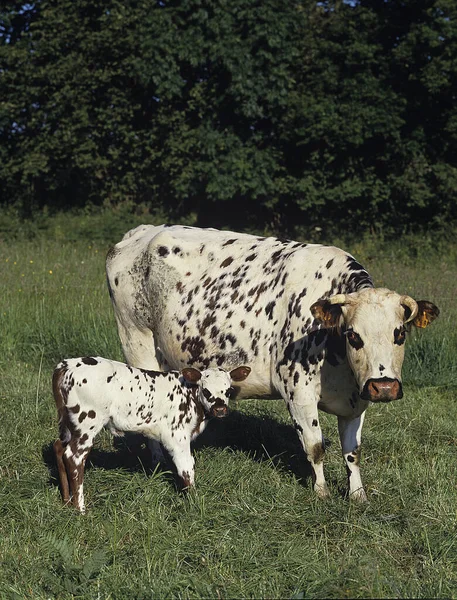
399, 335
230, 392
354, 339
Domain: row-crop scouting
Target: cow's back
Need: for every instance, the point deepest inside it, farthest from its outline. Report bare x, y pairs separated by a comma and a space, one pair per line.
219, 298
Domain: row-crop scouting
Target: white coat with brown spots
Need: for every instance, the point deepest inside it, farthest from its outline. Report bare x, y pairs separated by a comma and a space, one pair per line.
172, 408
305, 317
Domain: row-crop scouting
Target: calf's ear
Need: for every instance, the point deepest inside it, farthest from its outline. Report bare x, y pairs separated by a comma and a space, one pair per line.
240, 373
427, 313
191, 375
326, 313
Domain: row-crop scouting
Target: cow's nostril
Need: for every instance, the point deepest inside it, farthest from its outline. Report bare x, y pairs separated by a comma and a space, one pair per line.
384, 390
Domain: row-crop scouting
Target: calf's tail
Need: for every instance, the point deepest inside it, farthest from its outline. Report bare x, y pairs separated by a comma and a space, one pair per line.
60, 397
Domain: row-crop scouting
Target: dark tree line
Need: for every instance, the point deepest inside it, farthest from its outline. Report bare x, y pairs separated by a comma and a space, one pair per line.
248, 113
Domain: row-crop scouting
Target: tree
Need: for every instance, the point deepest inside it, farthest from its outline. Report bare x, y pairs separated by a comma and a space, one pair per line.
253, 115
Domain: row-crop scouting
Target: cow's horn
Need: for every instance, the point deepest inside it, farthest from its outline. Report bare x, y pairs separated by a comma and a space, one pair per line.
411, 304
338, 299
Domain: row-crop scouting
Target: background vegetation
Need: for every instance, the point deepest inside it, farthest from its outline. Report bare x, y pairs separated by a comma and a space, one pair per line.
253, 527
274, 115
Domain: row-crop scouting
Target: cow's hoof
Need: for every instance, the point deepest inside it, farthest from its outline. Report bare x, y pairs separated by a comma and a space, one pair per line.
358, 495
322, 491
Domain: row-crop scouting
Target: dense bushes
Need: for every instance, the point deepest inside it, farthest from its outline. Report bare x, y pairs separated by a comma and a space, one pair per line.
254, 115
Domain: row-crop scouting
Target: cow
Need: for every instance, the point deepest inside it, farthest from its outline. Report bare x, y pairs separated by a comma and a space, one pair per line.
173, 408
305, 317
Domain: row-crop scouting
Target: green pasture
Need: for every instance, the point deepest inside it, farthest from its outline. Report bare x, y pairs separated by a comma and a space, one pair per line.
253, 527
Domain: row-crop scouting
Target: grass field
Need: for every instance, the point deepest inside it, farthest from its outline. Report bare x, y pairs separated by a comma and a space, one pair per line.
253, 528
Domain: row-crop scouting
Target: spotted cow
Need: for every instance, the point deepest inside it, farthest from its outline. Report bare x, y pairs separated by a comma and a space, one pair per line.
173, 408
305, 317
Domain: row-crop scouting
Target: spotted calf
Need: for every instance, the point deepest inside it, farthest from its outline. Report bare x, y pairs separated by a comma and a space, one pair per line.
172, 408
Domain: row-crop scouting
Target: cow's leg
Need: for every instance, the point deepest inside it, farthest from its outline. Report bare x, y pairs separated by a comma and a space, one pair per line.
140, 351
139, 346
183, 460
155, 448
350, 431
306, 422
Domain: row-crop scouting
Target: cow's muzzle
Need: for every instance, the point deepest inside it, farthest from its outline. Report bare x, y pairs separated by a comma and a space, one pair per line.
382, 390
219, 411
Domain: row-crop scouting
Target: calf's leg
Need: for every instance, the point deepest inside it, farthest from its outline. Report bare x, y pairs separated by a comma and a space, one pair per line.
75, 462
183, 461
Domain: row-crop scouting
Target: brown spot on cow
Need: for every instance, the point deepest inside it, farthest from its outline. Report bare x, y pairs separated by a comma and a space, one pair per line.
318, 452
89, 360
112, 252
163, 251
356, 456
207, 321
228, 261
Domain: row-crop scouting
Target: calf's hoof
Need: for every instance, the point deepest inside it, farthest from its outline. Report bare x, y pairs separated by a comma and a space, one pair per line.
185, 482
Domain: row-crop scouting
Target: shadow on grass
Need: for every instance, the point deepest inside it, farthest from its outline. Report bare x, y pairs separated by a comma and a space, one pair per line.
261, 438
130, 453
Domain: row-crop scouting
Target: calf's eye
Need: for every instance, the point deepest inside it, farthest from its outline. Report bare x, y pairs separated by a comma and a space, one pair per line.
206, 393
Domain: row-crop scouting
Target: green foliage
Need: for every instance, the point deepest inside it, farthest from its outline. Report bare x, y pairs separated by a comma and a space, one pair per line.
264, 116
67, 574
93, 223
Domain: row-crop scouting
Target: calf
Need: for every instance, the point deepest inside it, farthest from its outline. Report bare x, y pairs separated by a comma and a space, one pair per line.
172, 408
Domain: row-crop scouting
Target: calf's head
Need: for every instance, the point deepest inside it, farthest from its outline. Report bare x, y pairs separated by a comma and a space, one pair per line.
374, 323
215, 387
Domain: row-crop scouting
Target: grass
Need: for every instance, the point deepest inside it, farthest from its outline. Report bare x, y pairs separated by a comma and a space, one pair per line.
253, 527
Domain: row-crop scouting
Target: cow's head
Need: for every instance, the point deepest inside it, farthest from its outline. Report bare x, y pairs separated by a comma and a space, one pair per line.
374, 323
215, 387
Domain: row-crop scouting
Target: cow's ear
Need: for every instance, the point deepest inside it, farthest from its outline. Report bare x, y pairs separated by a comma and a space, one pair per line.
240, 373
191, 375
427, 313
326, 313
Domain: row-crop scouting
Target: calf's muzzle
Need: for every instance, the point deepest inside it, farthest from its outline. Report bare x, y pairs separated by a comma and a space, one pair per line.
382, 390
219, 411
